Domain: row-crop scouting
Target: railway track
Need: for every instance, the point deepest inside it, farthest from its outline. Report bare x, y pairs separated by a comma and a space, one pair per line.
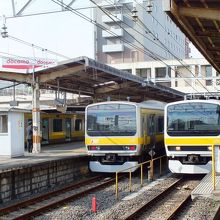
166, 205
40, 204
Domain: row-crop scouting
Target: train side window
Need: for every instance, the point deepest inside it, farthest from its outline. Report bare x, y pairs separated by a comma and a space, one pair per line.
3, 123
57, 125
142, 125
78, 125
160, 124
151, 125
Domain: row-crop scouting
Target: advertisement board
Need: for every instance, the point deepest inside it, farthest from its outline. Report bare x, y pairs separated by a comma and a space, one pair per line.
27, 63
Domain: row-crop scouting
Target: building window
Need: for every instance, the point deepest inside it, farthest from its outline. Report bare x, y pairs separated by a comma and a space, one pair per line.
208, 82
208, 71
208, 74
57, 125
167, 84
3, 123
144, 73
134, 56
78, 125
161, 72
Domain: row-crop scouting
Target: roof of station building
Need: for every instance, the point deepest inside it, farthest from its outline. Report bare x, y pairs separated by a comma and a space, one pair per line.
86, 76
200, 21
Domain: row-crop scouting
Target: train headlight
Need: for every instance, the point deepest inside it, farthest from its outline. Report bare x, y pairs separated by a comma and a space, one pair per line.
210, 148
126, 147
178, 148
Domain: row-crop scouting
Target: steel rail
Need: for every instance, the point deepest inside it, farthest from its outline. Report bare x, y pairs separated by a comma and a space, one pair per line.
34, 200
178, 209
40, 210
141, 209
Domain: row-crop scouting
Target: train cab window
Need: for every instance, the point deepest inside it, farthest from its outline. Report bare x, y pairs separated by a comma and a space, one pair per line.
78, 125
57, 125
3, 124
160, 124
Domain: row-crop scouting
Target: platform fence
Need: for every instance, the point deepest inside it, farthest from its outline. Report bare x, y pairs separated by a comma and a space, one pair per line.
150, 173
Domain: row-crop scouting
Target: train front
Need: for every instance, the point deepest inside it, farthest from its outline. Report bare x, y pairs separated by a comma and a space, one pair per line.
111, 136
191, 128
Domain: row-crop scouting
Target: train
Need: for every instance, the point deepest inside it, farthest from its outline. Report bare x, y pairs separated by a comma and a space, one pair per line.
120, 134
59, 127
191, 127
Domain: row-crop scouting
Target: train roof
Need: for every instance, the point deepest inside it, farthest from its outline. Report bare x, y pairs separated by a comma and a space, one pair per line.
151, 104
211, 101
43, 108
14, 109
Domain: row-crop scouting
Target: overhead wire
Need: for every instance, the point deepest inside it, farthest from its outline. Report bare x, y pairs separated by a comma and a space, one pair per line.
52, 12
145, 50
99, 25
153, 41
180, 61
151, 52
85, 17
65, 56
37, 47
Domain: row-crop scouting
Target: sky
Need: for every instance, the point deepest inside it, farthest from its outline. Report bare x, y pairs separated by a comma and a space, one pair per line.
62, 32
194, 52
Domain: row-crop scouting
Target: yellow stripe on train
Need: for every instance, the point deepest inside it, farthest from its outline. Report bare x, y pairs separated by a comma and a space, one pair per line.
113, 141
192, 141
120, 140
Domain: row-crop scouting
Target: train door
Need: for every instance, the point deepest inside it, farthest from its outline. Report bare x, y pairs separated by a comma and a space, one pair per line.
68, 129
144, 130
45, 131
152, 131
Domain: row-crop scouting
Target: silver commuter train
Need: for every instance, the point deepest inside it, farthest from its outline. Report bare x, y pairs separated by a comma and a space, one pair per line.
119, 134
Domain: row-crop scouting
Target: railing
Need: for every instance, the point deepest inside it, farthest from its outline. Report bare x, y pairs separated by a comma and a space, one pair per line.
150, 174
213, 167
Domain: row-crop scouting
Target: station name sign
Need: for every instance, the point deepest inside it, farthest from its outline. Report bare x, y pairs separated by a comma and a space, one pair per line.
26, 64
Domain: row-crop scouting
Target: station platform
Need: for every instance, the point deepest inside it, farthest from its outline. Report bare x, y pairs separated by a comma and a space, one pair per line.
48, 153
206, 188
31, 174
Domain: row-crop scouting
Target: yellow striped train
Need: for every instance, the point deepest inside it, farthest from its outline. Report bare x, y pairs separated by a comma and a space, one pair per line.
60, 127
191, 128
120, 134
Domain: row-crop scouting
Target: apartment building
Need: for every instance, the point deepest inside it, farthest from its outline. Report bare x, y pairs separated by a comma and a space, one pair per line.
136, 31
190, 76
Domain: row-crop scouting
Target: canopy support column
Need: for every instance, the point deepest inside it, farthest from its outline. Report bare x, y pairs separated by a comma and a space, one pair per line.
36, 116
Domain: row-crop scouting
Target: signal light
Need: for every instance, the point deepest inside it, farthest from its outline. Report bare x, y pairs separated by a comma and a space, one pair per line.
92, 147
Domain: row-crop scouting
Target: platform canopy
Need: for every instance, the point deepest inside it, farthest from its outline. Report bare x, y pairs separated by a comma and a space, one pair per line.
200, 21
85, 76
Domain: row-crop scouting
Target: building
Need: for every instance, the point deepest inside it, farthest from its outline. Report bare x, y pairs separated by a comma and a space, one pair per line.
136, 31
192, 76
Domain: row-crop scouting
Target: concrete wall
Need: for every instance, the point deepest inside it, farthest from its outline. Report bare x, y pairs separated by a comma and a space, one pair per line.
30, 180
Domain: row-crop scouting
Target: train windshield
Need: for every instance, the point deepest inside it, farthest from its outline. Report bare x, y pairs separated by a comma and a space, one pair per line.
111, 120
193, 119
